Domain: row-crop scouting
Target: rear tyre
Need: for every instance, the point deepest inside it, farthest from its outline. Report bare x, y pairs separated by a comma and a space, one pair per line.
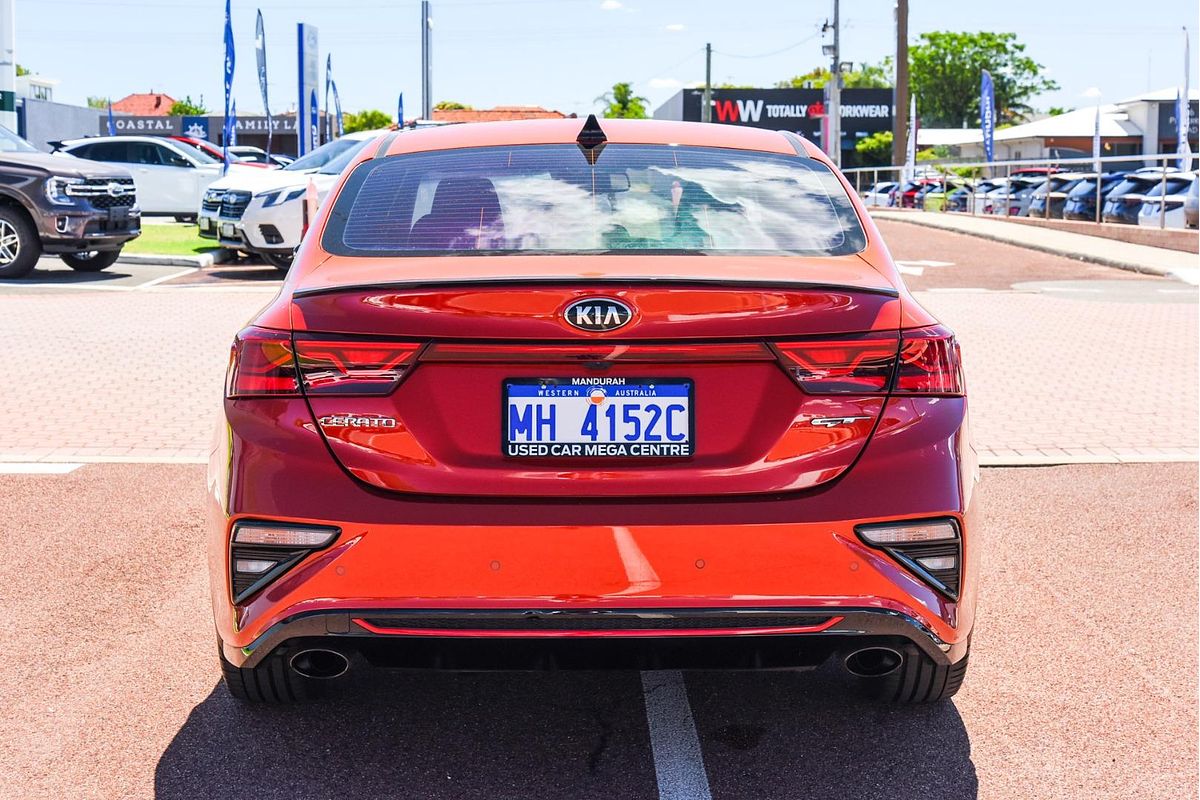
919, 679
280, 261
20, 247
272, 682
91, 260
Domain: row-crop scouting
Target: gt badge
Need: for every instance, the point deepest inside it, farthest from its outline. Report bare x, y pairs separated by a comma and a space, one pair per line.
831, 422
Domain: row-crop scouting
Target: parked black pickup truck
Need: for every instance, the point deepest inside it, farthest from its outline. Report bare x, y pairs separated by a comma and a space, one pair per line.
82, 211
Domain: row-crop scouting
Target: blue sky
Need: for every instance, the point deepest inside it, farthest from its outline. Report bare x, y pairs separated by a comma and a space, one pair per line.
564, 53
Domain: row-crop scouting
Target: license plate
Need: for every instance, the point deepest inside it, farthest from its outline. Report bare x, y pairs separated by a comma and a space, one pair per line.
119, 214
598, 418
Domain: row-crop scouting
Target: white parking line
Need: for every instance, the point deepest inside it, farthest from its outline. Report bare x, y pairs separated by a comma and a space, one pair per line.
38, 468
165, 278
678, 761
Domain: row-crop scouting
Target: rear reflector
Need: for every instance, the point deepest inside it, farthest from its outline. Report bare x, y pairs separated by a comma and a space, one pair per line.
930, 549
261, 552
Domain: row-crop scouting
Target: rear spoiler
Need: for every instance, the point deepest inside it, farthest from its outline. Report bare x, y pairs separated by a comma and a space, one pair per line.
622, 281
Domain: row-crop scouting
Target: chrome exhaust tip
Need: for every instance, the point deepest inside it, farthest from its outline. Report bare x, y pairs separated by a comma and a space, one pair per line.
873, 662
319, 664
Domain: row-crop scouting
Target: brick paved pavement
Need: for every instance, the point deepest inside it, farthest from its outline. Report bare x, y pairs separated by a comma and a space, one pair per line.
1053, 378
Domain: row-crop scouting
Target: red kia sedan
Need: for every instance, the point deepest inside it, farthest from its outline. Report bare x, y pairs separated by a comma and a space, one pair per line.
560, 394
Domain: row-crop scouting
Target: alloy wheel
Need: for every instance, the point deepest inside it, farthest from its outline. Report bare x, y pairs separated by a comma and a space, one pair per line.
10, 243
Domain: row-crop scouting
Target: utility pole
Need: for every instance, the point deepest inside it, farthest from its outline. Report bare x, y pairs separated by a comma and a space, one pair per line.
900, 93
706, 101
833, 146
426, 61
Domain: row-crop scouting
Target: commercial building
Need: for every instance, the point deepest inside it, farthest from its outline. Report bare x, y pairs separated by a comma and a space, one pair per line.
1143, 124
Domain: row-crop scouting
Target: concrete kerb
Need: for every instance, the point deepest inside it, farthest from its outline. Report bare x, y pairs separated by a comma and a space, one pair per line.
1093, 258
198, 261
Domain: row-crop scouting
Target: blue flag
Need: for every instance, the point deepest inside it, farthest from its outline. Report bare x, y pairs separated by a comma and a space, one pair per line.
328, 82
400, 112
233, 125
112, 126
314, 122
228, 131
337, 110
987, 114
260, 52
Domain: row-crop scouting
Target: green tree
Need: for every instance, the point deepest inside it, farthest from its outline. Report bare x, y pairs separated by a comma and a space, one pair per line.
1054, 111
945, 69
875, 150
867, 76
621, 103
23, 71
187, 107
368, 120
97, 102
450, 105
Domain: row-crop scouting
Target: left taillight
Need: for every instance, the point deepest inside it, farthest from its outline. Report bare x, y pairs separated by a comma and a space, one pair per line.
929, 363
261, 364
267, 363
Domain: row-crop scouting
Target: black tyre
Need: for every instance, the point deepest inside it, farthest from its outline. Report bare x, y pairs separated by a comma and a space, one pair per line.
91, 260
20, 247
271, 682
918, 679
280, 261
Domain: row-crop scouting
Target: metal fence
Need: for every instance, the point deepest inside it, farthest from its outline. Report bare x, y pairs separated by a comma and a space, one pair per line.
952, 172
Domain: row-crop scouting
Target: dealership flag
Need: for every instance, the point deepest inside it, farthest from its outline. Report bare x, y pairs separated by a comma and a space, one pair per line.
112, 126
1096, 143
228, 131
987, 114
260, 53
233, 125
910, 154
337, 110
314, 114
1183, 109
400, 112
328, 83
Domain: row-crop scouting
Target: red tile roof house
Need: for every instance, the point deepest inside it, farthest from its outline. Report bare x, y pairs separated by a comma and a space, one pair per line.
154, 104
497, 114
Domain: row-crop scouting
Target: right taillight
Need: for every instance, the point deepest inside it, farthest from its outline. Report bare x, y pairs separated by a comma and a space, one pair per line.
921, 361
929, 363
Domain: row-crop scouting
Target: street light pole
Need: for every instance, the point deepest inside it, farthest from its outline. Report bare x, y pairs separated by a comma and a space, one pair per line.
834, 145
426, 61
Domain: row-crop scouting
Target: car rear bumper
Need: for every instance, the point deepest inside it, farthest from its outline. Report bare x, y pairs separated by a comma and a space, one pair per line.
632, 638
464, 559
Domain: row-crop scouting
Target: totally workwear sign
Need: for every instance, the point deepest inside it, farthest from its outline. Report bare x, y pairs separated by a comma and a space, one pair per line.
863, 111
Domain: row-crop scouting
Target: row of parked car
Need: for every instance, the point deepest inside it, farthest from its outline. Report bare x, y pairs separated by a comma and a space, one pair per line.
1136, 197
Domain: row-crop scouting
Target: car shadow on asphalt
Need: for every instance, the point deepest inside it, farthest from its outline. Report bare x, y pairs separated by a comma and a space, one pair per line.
564, 735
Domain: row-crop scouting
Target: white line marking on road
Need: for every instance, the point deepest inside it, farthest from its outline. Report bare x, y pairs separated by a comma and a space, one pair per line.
171, 276
678, 760
37, 468
906, 270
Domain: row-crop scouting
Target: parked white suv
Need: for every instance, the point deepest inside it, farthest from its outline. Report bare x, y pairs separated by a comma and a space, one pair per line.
262, 211
170, 176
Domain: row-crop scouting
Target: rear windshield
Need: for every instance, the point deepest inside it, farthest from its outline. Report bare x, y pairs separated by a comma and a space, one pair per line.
652, 199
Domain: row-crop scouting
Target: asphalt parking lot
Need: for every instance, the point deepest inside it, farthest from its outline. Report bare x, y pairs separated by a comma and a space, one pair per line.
1084, 664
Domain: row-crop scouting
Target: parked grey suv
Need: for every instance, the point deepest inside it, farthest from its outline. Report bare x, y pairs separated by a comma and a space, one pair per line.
82, 211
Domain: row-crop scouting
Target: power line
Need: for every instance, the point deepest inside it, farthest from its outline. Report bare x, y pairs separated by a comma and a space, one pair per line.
773, 52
